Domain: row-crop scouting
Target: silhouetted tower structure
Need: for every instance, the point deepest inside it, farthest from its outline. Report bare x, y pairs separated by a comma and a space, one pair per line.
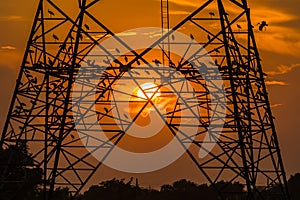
62, 37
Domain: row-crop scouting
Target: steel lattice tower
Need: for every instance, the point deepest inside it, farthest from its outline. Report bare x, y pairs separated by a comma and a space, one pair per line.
61, 38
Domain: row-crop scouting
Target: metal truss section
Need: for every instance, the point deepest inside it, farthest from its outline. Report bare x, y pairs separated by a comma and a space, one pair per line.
61, 43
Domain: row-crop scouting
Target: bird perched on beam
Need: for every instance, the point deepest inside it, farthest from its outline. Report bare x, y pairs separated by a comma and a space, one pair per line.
50, 13
157, 62
212, 14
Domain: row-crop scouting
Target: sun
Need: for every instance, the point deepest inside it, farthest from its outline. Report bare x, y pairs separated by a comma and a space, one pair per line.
150, 89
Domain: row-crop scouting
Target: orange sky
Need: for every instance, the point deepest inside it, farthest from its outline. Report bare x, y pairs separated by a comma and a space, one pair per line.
279, 47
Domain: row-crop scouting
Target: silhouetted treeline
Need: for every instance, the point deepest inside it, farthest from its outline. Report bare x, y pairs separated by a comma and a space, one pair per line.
20, 182
182, 190
23, 179
119, 189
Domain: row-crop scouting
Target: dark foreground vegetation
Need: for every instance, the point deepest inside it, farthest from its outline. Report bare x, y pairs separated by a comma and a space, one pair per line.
23, 183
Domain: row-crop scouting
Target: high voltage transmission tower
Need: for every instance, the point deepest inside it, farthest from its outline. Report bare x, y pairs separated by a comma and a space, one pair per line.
66, 51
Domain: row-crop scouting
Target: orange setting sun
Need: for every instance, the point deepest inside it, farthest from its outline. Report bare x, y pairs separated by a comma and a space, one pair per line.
150, 89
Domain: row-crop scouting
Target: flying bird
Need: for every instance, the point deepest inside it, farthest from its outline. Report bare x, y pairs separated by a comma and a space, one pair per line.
262, 25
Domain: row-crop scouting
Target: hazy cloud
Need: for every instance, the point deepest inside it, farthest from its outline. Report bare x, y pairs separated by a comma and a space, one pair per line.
179, 12
276, 105
186, 3
281, 83
12, 18
283, 69
122, 34
8, 47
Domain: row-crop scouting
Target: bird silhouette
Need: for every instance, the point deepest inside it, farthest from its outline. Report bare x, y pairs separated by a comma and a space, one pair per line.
137, 73
173, 37
192, 37
34, 80
55, 37
157, 62
50, 62
171, 64
262, 25
106, 61
50, 13
80, 37
208, 37
33, 102
106, 110
216, 50
87, 27
211, 14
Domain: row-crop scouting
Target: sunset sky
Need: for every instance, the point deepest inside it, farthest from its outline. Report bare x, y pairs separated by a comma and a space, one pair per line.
279, 48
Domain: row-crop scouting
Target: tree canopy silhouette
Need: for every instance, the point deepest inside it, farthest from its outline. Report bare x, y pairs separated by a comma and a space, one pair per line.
19, 177
22, 178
